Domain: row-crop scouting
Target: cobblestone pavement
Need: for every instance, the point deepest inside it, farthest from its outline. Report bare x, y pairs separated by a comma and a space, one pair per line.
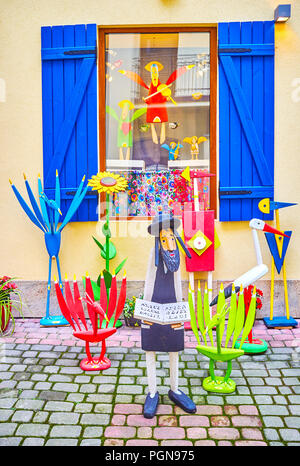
46, 399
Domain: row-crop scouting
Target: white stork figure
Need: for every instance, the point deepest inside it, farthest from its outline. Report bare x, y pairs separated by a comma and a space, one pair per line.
260, 269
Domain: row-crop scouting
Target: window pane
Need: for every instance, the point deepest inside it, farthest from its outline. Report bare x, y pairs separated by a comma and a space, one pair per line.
157, 115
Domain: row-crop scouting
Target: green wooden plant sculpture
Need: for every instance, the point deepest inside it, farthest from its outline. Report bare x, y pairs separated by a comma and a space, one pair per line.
221, 349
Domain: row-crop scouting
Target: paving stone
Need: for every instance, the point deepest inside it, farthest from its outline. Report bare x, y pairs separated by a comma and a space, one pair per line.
128, 409
59, 406
22, 415
32, 430
123, 398
134, 390
251, 433
294, 399
66, 387
193, 421
63, 442
7, 402
43, 386
52, 395
41, 417
102, 408
263, 399
93, 432
33, 442
239, 400
257, 390
64, 418
228, 433
90, 442
290, 435
273, 421
120, 432
95, 419
295, 409
278, 410
10, 441
75, 397
271, 434
65, 431
99, 398
83, 407
106, 388
88, 388
292, 421
34, 405
169, 433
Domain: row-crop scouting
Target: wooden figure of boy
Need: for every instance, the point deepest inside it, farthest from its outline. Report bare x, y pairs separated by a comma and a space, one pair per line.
163, 285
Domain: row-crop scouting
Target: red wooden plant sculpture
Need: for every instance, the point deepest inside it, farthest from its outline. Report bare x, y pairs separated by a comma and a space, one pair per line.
72, 309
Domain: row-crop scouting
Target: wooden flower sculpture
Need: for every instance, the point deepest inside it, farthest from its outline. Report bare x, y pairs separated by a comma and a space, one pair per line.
108, 183
73, 311
46, 216
236, 324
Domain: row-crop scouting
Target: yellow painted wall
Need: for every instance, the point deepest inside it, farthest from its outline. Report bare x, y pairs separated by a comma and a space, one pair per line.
22, 250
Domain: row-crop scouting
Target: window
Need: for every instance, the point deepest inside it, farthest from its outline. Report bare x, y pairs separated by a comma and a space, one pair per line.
157, 115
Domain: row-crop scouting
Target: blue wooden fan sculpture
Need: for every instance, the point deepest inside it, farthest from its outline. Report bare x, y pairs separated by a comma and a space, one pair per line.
46, 218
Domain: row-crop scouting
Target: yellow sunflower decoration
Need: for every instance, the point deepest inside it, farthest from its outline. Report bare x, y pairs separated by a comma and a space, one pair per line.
107, 182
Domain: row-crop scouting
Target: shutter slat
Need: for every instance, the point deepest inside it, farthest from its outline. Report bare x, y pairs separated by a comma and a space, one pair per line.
81, 123
246, 84
69, 167
92, 123
235, 127
224, 127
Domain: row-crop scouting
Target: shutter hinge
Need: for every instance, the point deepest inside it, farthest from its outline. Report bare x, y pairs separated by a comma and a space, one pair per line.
81, 52
88, 193
234, 193
234, 50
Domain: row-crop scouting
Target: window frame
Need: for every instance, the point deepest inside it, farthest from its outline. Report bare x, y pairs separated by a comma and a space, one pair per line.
102, 30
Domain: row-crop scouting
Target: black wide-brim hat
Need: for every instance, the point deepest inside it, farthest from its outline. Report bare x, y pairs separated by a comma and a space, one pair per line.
163, 221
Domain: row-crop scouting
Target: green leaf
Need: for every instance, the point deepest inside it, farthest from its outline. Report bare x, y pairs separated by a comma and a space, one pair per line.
200, 316
250, 317
111, 251
240, 316
193, 315
107, 278
220, 307
99, 280
98, 244
231, 316
207, 314
120, 266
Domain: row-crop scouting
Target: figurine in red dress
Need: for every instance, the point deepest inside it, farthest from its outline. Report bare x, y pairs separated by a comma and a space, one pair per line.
158, 95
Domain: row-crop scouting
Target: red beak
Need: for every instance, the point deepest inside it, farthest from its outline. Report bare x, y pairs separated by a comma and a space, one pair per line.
270, 229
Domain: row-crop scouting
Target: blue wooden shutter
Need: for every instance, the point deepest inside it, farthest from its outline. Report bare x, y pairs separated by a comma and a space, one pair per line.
246, 118
69, 105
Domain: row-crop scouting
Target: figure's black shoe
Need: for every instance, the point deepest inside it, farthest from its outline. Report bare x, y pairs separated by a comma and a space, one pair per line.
183, 401
150, 406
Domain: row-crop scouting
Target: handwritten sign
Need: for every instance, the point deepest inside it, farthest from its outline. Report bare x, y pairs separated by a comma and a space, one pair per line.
162, 313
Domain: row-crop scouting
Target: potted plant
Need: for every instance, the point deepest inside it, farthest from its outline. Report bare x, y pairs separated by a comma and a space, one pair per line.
128, 311
10, 301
